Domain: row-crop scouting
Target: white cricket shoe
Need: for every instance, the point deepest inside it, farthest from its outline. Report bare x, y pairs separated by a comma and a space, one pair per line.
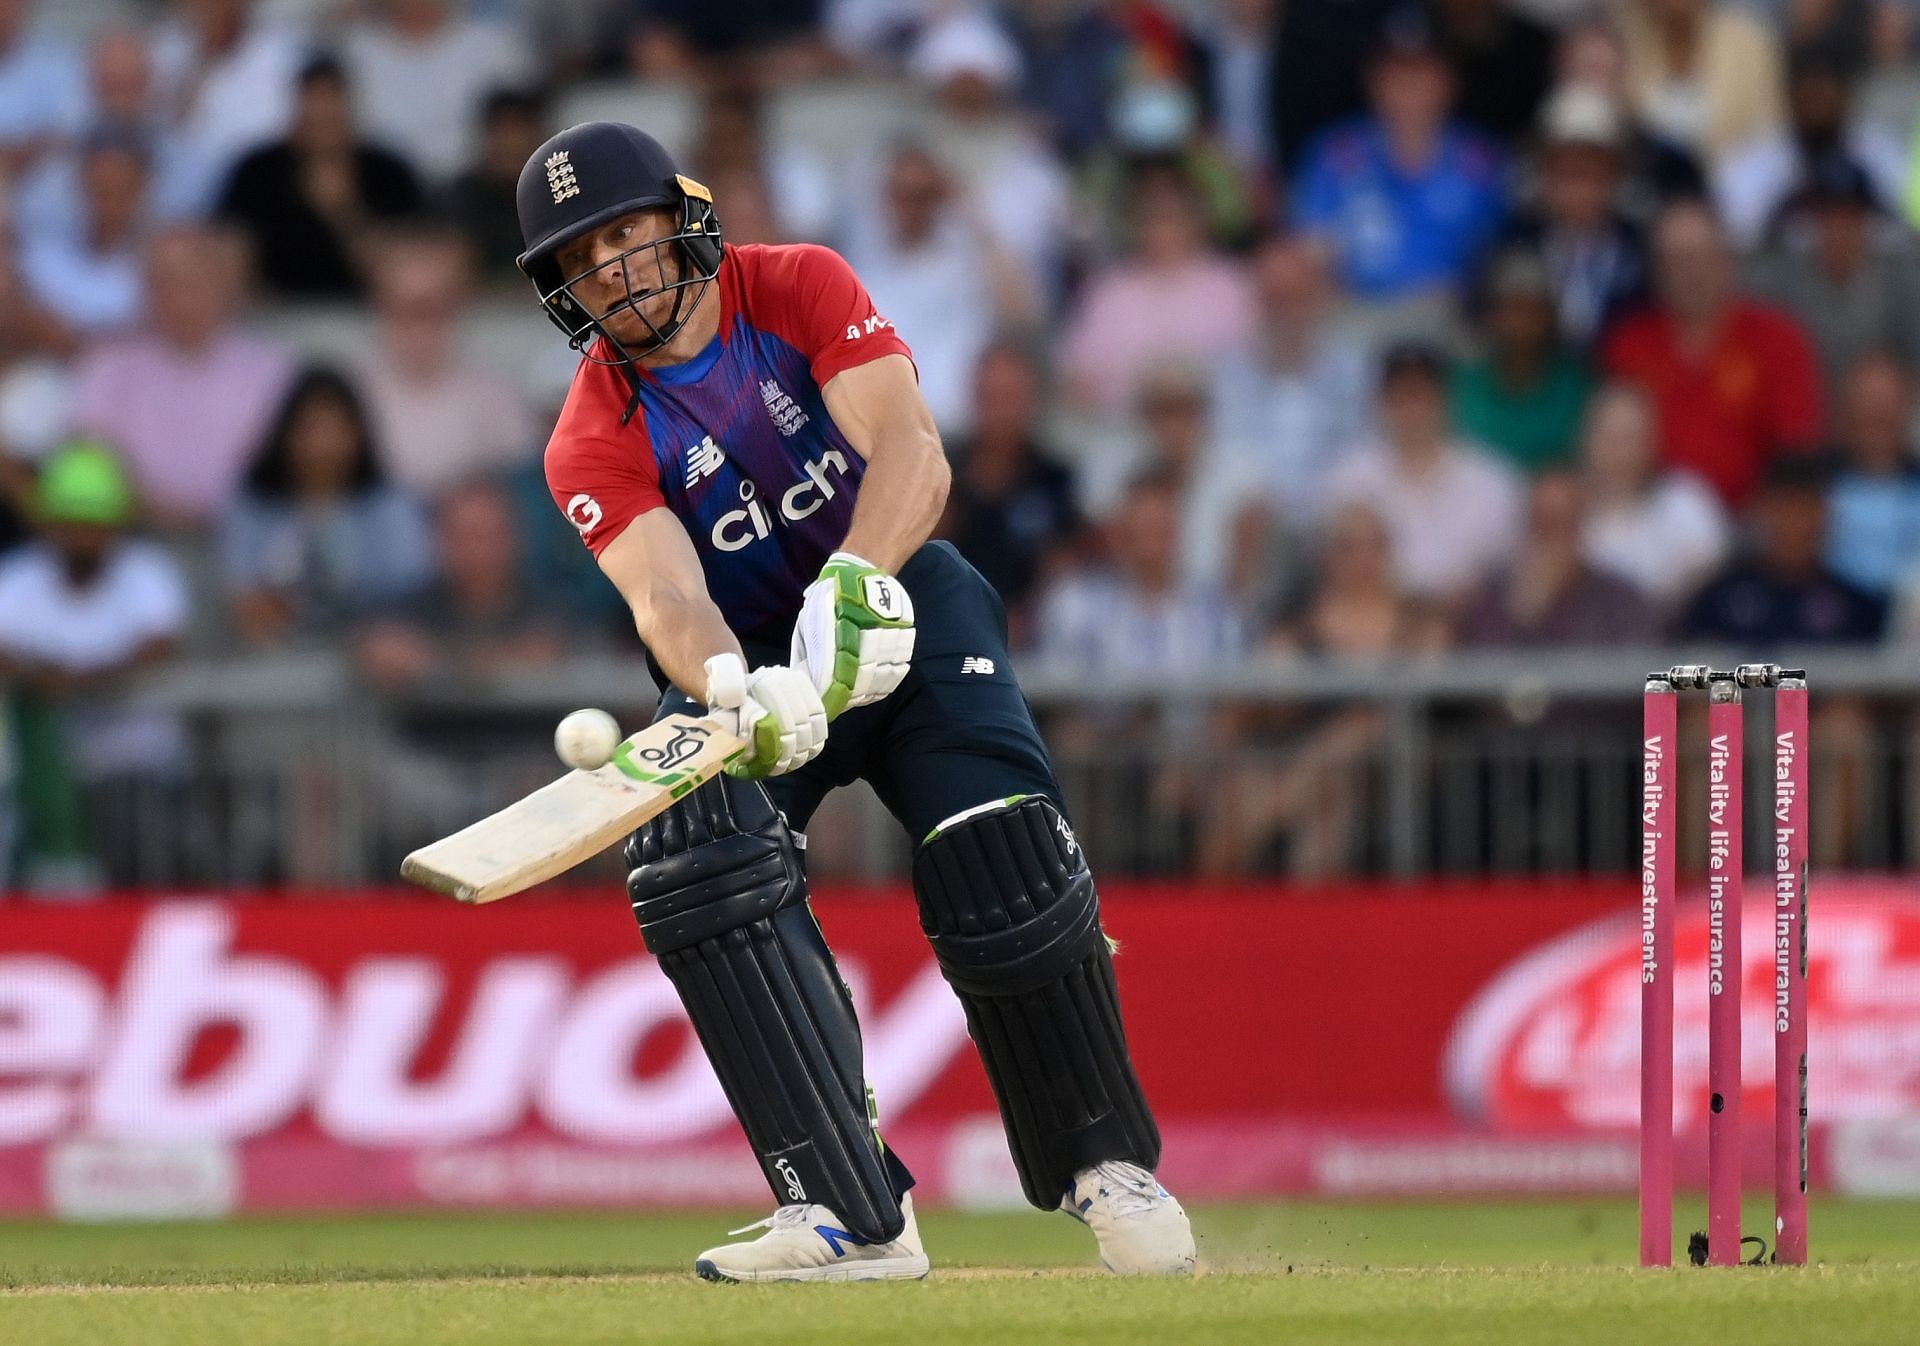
1142, 1230
810, 1243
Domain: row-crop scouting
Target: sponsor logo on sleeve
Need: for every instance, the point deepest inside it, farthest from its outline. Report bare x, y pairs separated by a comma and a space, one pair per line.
585, 513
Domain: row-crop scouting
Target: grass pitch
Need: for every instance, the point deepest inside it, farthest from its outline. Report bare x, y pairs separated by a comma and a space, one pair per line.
1508, 1274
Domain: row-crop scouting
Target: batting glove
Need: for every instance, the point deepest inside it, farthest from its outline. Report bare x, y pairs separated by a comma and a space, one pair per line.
775, 709
855, 633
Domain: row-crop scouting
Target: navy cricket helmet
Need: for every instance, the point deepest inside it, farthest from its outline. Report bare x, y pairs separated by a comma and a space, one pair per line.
587, 176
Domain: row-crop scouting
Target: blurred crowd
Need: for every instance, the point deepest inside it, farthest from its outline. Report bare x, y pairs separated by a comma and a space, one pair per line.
1361, 330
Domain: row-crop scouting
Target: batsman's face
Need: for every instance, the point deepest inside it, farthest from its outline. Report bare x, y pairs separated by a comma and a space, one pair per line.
615, 280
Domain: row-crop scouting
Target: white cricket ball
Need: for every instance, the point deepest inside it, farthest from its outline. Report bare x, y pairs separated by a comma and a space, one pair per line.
586, 739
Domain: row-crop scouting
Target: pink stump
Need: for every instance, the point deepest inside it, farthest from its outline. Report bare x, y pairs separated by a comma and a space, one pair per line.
1790, 973
1657, 851
1725, 798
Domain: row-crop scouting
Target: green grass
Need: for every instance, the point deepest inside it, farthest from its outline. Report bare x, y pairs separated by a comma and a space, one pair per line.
1510, 1274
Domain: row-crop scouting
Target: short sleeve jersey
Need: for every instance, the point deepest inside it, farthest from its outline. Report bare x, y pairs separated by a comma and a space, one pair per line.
737, 441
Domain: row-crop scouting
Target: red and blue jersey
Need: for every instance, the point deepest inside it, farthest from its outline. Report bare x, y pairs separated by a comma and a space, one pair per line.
737, 442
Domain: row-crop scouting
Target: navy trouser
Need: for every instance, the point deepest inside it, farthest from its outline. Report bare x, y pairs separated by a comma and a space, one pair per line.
955, 733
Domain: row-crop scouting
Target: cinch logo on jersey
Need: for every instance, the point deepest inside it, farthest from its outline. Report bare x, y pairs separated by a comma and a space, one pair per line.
740, 528
703, 460
874, 323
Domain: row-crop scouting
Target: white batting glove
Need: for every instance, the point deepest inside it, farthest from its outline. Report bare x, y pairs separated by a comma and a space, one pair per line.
776, 709
855, 633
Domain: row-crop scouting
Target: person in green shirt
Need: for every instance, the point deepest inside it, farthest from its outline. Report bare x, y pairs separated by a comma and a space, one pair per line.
1524, 397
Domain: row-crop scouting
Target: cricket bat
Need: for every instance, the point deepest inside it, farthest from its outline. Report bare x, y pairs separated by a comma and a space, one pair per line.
572, 820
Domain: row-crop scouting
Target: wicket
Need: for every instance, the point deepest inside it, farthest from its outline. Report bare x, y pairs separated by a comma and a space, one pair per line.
1726, 800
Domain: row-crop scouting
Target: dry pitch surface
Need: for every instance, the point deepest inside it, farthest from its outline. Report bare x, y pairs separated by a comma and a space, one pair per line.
1507, 1274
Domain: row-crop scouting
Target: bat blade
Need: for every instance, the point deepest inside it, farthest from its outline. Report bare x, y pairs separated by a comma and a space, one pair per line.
572, 820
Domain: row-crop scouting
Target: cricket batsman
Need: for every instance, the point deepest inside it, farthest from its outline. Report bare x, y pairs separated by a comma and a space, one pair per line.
745, 450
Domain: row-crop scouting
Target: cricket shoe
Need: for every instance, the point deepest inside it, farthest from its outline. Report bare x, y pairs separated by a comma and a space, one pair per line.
1141, 1229
811, 1243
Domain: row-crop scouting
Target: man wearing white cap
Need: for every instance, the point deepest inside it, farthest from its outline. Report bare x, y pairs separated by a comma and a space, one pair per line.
1595, 256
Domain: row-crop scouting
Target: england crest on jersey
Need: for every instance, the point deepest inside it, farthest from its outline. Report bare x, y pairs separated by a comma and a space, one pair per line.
787, 416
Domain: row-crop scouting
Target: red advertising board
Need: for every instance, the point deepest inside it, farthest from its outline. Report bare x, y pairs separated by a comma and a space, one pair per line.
321, 1050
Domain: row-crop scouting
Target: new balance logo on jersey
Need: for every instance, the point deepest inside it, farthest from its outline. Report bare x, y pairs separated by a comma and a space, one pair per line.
873, 324
703, 460
786, 413
754, 520
975, 664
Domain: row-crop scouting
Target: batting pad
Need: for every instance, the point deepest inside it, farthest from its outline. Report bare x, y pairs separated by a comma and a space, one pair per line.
721, 897
1009, 904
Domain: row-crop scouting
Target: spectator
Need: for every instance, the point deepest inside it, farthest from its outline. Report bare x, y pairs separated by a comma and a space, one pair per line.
1704, 74
1138, 616
1843, 271
1239, 48
478, 617
513, 124
803, 198
80, 610
1524, 397
1756, 179
319, 540
1358, 610
1662, 531
226, 80
1170, 298
1227, 531
1157, 127
1308, 792
1551, 594
1656, 170
1298, 394
1011, 510
1406, 199
1843, 27
424, 69
1068, 53
189, 398
1319, 72
774, 39
1083, 60
1873, 535
91, 280
1452, 512
879, 32
36, 403
1009, 180
940, 280
48, 200
309, 201
1782, 594
439, 418
1596, 256
1502, 63
43, 97
1734, 382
